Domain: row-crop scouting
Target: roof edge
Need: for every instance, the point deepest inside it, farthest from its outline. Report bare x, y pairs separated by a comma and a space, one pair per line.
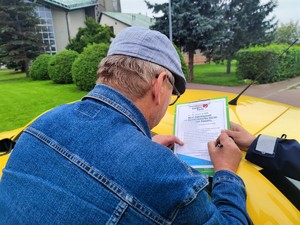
71, 6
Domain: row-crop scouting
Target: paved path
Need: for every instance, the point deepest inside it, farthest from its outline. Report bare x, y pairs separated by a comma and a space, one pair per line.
287, 91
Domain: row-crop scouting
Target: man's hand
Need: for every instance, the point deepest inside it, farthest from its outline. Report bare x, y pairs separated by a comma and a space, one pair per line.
167, 140
225, 157
240, 135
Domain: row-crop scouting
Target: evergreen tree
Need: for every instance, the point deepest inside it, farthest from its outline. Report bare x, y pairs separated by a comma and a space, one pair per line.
92, 33
245, 23
19, 39
194, 23
217, 27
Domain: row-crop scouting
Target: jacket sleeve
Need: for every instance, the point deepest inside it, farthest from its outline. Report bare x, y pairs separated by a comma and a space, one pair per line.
226, 205
277, 154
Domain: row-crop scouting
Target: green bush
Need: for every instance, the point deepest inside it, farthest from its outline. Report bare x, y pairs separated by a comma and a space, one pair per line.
60, 66
184, 66
84, 69
39, 68
290, 63
265, 63
257, 64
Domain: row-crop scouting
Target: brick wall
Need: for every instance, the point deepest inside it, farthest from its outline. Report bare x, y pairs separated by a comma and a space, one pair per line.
198, 58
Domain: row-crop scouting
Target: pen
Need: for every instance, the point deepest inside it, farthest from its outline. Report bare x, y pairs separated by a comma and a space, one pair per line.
220, 145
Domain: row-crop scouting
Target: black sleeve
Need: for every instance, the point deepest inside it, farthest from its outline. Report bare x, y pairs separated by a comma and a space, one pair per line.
280, 155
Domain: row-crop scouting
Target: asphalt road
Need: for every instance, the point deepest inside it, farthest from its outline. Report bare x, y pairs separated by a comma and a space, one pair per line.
287, 91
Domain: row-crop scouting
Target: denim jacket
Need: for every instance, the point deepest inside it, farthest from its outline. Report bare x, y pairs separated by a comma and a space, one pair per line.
93, 162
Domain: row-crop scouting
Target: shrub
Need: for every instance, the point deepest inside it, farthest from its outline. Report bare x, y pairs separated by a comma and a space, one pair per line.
257, 64
290, 63
184, 66
39, 68
265, 63
60, 66
84, 69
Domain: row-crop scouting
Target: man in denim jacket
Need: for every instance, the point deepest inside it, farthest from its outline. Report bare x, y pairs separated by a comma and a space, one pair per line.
94, 162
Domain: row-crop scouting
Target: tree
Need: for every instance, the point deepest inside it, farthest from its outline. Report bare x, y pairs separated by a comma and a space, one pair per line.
92, 33
287, 33
245, 23
19, 39
194, 24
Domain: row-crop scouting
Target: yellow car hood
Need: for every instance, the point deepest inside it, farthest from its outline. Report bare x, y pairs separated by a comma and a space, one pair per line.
265, 203
255, 114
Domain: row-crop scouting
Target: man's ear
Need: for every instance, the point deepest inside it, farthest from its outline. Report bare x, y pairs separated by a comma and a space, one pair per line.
157, 87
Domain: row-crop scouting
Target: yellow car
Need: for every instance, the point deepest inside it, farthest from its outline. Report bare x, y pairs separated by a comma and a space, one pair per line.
266, 204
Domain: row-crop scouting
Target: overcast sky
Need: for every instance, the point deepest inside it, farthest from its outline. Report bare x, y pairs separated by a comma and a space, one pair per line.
286, 11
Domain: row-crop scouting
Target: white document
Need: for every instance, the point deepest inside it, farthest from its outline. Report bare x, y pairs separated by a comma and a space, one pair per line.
197, 123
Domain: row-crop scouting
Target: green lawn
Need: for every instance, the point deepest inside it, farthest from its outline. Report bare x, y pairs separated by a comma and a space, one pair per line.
10, 75
216, 74
22, 99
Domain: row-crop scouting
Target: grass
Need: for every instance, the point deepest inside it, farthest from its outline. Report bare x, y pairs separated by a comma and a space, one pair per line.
23, 99
215, 74
9, 75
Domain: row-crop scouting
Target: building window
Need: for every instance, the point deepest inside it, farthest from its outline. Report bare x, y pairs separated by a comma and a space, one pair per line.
115, 4
46, 28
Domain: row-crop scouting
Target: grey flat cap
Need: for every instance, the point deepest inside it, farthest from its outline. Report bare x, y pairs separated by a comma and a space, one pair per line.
151, 46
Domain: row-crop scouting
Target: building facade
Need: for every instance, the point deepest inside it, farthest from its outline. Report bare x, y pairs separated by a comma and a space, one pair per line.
118, 21
61, 19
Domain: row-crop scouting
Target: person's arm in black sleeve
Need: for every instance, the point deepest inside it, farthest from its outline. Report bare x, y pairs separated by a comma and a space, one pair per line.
277, 154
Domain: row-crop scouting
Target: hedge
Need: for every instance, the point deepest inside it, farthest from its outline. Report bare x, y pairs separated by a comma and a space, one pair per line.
265, 64
184, 66
39, 68
84, 68
60, 66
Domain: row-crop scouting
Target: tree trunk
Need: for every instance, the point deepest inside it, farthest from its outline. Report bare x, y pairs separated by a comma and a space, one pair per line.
228, 65
191, 65
25, 68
